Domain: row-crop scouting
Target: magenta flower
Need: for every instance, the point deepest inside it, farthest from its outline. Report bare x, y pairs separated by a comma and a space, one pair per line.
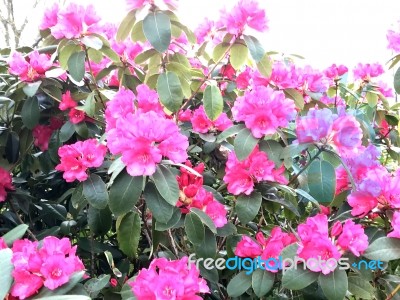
31, 68
368, 71
67, 101
202, 124
353, 238
5, 184
25, 284
316, 125
393, 40
396, 225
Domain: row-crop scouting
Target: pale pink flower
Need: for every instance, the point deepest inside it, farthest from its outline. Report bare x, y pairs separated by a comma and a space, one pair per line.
393, 40
31, 68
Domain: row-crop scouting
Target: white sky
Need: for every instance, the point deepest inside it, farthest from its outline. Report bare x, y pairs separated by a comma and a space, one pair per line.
323, 31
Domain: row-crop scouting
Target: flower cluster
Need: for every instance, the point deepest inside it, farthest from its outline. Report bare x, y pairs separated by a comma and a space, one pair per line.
393, 38
193, 194
241, 175
317, 241
266, 248
144, 135
42, 133
67, 102
5, 184
70, 21
202, 124
75, 159
367, 71
30, 68
166, 279
261, 109
343, 131
51, 265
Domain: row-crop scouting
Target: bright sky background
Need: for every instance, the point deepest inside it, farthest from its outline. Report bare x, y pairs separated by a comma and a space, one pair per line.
323, 31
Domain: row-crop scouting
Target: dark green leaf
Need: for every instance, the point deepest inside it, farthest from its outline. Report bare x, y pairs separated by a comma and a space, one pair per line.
262, 282
273, 150
297, 278
239, 284
124, 193
30, 112
95, 191
99, 220
229, 132
383, 249
255, 47
194, 228
208, 248
205, 219
360, 287
226, 230
67, 131
244, 144
176, 217
334, 285
12, 147
157, 29
166, 184
213, 102
247, 207
95, 285
128, 234
321, 178
6, 267
76, 65
162, 211
170, 91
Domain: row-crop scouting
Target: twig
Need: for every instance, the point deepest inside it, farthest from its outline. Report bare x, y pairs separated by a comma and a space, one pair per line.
305, 167
21, 221
171, 239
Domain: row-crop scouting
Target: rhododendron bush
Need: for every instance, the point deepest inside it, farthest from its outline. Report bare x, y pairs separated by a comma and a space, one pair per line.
134, 154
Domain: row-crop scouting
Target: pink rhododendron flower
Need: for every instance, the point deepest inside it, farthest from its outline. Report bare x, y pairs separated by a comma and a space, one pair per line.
56, 270
367, 71
67, 101
315, 125
241, 175
261, 110
353, 238
76, 116
50, 17
75, 159
31, 68
41, 135
244, 13
3, 244
147, 99
247, 247
347, 135
393, 40
396, 225
342, 180
5, 184
202, 124
169, 280
334, 72
25, 284
204, 30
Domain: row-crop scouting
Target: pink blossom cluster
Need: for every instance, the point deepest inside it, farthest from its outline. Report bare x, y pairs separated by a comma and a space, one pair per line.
5, 184
42, 133
67, 102
367, 71
393, 38
242, 175
76, 158
334, 72
50, 263
193, 194
317, 241
341, 131
265, 248
396, 225
244, 13
264, 110
166, 279
70, 21
29, 68
202, 124
142, 135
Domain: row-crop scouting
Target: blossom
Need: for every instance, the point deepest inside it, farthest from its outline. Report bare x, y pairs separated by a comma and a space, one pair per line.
31, 68
245, 13
347, 135
67, 101
75, 159
261, 110
25, 284
5, 184
335, 72
315, 125
353, 238
166, 279
3, 244
241, 175
202, 124
76, 116
396, 225
367, 71
393, 40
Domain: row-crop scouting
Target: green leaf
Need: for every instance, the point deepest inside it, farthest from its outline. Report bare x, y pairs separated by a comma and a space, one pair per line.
127, 293
244, 144
62, 290
321, 178
65, 53
126, 26
265, 66
128, 234
92, 41
170, 91
90, 105
295, 96
95, 191
125, 193
76, 65
15, 234
247, 207
334, 285
239, 284
208, 248
273, 150
31, 88
157, 29
213, 102
238, 55
6, 267
262, 282
95, 285
289, 251
396, 81
30, 112
194, 228
256, 49
162, 211
205, 219
383, 249
146, 55
220, 51
176, 217
360, 287
372, 99
297, 278
231, 131
99, 220
67, 131
166, 184
226, 230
